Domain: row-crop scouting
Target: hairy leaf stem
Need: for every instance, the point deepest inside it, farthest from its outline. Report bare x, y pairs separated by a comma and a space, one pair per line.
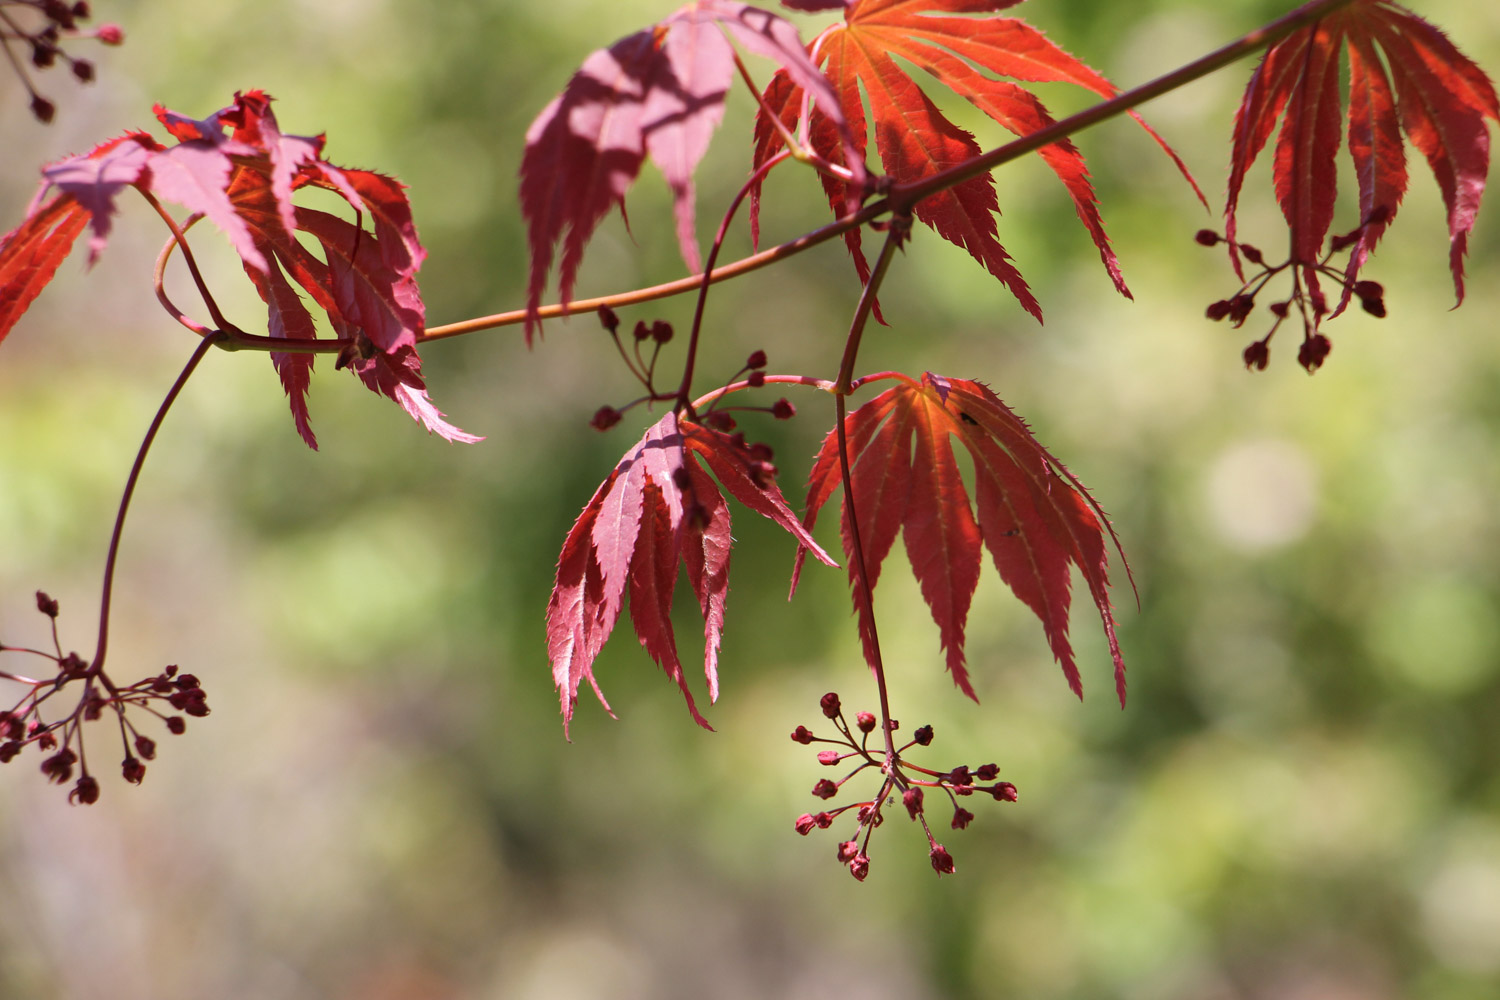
208, 341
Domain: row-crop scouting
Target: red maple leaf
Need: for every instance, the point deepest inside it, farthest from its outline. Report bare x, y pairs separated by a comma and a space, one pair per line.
1035, 518
1440, 101
237, 169
659, 92
915, 140
658, 507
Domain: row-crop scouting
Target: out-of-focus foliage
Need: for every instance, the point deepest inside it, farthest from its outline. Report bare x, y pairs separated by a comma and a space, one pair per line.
1300, 800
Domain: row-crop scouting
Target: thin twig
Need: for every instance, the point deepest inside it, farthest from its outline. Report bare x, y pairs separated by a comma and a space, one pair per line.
106, 593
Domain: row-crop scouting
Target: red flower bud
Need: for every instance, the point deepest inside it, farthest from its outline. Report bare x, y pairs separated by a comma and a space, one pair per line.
604, 418
830, 704
1253, 255
661, 331
962, 818
1258, 355
42, 109
1313, 352
859, 867
865, 721
783, 410
824, 820
85, 792
146, 747
960, 775
110, 34
912, 800
825, 789
83, 70
1004, 791
828, 758
756, 379
176, 725
59, 767
806, 823
802, 735
1240, 306
45, 604
987, 772
942, 861
756, 360
133, 770
608, 319
923, 736
848, 850
641, 331
1206, 237
1217, 310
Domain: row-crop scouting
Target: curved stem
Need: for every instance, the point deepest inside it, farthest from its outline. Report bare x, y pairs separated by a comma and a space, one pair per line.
862, 576
159, 279
713, 255
180, 239
107, 592
900, 228
808, 380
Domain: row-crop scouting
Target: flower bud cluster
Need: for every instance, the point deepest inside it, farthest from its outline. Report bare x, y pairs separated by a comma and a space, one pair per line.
898, 776
1307, 298
60, 739
52, 23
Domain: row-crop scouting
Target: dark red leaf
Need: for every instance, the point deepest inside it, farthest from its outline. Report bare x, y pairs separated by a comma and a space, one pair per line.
915, 140
1441, 100
656, 509
31, 253
244, 181
1036, 519
659, 92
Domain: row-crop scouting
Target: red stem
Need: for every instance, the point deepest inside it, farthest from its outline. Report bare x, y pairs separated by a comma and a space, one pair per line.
686, 385
107, 591
900, 227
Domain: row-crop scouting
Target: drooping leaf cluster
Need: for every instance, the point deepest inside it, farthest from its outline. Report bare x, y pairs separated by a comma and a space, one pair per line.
239, 171
1034, 517
1403, 76
658, 508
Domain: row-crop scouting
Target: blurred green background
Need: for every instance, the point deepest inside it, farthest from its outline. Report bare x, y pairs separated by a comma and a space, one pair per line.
1301, 800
